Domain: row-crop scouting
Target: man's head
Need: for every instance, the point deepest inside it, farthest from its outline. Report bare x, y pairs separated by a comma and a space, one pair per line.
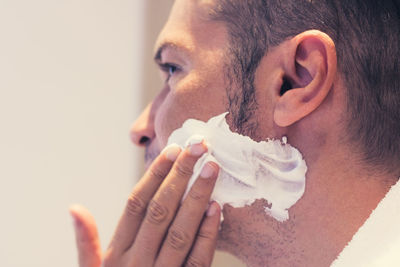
323, 73
366, 34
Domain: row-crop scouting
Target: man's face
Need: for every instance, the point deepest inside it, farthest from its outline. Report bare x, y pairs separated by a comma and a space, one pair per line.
190, 53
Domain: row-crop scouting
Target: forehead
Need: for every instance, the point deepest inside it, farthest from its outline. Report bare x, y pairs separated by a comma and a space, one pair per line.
190, 26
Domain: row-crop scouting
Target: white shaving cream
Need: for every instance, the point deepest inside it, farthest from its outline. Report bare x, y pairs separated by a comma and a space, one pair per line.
272, 170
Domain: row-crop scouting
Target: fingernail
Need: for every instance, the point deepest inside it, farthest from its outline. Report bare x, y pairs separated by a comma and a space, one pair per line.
76, 224
172, 152
74, 213
207, 171
197, 149
195, 139
212, 209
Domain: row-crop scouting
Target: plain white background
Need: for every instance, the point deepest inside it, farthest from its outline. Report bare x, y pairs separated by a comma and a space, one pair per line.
70, 86
73, 77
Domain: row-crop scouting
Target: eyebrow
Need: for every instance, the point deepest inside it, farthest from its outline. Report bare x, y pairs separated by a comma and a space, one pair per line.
168, 45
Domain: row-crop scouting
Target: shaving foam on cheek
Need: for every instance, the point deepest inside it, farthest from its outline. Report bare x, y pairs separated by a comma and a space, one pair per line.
272, 170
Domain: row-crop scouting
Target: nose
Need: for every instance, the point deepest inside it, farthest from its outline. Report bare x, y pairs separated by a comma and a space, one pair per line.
142, 130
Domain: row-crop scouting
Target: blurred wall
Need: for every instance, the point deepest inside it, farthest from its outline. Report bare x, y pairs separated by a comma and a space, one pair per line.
73, 76
70, 87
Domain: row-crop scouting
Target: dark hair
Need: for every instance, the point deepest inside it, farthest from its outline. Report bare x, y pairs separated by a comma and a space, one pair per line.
367, 38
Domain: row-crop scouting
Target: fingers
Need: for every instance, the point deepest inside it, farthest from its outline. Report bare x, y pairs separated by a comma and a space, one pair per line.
164, 204
204, 247
140, 197
152, 209
87, 240
184, 228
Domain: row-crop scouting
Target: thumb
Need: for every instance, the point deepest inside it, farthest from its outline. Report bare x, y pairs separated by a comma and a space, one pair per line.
87, 238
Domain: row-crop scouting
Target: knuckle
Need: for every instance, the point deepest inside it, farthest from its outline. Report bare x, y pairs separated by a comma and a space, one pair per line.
156, 213
170, 190
135, 205
194, 262
177, 238
183, 170
196, 194
156, 173
206, 234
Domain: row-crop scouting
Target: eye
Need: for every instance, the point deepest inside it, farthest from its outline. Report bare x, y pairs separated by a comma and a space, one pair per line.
169, 69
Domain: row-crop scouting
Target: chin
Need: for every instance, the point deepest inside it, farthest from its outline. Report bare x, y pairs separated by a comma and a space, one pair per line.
227, 236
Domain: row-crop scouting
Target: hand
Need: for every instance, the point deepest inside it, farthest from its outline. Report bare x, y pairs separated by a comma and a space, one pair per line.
156, 229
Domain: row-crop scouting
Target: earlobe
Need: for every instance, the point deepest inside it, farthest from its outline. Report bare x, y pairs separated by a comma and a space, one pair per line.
310, 68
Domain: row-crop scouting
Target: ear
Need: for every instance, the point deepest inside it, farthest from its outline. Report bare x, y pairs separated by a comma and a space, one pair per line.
309, 71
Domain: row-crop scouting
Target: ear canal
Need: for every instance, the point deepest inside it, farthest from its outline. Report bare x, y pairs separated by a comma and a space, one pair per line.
286, 86
308, 74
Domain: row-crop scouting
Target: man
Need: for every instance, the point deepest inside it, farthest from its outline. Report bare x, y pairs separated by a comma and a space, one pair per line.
323, 73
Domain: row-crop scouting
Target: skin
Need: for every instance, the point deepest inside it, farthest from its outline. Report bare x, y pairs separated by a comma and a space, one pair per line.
341, 190
155, 228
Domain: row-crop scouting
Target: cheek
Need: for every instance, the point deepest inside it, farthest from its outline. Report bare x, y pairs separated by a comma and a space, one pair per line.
170, 116
194, 97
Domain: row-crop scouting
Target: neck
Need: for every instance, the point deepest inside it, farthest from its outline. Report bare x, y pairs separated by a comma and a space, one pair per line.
340, 195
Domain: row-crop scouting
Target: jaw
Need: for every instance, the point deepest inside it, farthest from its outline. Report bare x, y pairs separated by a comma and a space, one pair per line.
256, 238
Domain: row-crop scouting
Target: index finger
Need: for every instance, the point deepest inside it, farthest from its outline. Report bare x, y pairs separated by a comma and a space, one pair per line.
164, 204
139, 198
